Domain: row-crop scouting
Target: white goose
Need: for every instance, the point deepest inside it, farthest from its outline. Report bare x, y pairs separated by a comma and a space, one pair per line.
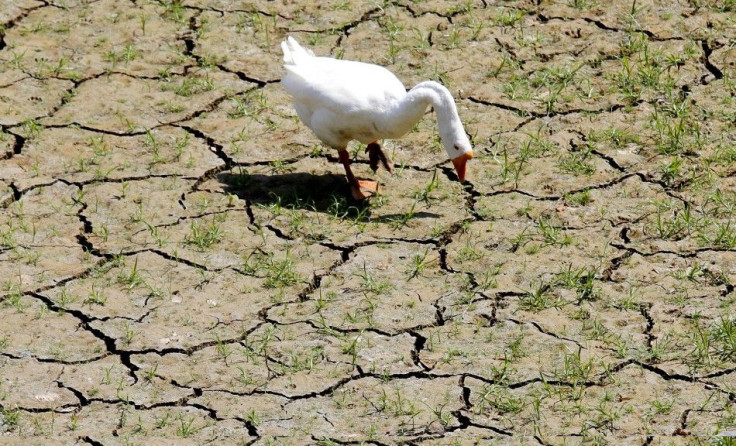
342, 100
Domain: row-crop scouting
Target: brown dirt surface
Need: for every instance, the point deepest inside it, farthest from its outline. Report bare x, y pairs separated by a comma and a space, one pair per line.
181, 261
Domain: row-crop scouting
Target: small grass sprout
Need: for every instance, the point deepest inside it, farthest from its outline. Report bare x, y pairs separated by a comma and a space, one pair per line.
205, 234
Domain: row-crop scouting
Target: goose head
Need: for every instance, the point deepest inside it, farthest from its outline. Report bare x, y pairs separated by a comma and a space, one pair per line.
458, 148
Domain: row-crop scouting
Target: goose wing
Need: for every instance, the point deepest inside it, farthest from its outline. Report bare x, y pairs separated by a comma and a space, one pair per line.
343, 87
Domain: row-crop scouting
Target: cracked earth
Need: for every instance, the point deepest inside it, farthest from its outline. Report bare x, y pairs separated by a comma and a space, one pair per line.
180, 262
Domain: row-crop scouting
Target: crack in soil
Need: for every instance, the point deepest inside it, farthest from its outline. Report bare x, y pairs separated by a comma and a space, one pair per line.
553, 114
707, 51
85, 323
543, 331
644, 310
4, 27
599, 24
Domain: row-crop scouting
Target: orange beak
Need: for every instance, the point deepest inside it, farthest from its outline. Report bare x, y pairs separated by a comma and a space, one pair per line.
460, 162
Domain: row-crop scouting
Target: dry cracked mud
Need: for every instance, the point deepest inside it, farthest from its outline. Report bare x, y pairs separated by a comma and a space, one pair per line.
179, 263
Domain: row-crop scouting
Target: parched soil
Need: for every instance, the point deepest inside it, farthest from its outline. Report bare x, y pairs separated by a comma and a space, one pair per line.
180, 263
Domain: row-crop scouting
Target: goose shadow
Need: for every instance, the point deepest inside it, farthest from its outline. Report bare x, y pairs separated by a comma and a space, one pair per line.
327, 193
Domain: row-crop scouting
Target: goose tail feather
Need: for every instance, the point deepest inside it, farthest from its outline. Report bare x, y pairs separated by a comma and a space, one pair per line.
295, 54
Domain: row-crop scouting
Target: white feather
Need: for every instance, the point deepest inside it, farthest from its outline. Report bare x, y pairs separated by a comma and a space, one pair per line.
343, 100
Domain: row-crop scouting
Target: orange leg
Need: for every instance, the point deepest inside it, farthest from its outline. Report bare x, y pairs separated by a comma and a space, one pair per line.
359, 189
